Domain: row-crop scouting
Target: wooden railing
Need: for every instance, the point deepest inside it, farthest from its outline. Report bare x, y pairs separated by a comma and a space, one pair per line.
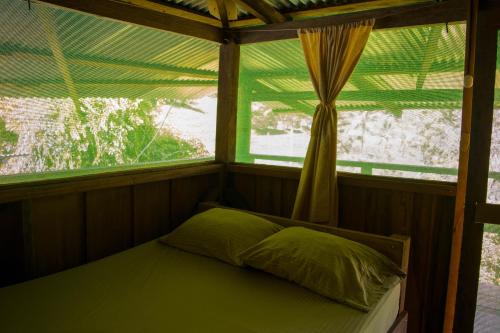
368, 167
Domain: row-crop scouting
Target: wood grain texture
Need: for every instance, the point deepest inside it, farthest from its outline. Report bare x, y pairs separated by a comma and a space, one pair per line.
48, 233
150, 18
487, 213
109, 221
268, 200
422, 210
65, 184
163, 7
413, 14
151, 211
57, 230
483, 94
227, 102
186, 193
11, 244
344, 178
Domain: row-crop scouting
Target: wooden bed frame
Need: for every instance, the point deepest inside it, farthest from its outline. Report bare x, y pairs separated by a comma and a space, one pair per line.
395, 247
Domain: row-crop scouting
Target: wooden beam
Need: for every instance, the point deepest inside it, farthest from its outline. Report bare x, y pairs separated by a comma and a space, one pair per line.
262, 10
221, 8
487, 213
21, 187
473, 171
463, 168
125, 12
352, 179
165, 8
331, 9
416, 14
227, 103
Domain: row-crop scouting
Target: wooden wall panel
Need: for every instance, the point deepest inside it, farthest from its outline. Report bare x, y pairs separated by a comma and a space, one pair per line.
186, 193
420, 209
109, 221
244, 188
57, 229
288, 193
51, 225
151, 211
268, 195
11, 244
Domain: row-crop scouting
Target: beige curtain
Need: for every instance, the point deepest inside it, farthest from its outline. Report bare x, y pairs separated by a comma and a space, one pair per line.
331, 54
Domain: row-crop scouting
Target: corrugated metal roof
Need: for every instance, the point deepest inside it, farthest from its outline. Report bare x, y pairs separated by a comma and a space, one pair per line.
105, 58
399, 68
201, 6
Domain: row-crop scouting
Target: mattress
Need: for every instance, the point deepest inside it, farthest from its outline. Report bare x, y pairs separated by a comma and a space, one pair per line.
155, 288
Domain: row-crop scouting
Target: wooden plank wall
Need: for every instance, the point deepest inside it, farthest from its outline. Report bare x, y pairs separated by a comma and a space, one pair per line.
420, 209
45, 234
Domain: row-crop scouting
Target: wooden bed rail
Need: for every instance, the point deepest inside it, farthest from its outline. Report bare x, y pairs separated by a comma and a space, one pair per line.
395, 247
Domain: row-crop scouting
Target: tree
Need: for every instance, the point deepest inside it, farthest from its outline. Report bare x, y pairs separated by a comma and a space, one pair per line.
8, 141
108, 132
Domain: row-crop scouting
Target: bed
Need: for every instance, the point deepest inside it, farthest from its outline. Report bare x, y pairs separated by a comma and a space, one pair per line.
156, 288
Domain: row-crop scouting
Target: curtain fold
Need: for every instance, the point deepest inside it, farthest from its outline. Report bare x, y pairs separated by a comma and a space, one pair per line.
331, 55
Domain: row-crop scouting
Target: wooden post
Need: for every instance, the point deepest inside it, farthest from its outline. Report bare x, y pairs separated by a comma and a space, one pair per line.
227, 108
477, 178
477, 115
227, 102
462, 168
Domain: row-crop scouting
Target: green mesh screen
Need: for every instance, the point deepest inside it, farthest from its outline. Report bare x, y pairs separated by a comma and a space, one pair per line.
494, 176
399, 114
83, 92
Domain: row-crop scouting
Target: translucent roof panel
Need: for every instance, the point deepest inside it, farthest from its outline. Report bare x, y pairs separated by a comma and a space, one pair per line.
80, 93
103, 58
417, 65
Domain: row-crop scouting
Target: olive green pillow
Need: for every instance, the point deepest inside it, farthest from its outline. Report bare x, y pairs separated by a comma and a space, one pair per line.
332, 266
220, 233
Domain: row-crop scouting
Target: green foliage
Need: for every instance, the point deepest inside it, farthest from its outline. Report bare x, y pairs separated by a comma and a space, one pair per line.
8, 140
109, 132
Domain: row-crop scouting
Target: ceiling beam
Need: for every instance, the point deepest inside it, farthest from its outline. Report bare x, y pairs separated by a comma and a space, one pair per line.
415, 14
129, 13
221, 8
330, 9
165, 8
262, 10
